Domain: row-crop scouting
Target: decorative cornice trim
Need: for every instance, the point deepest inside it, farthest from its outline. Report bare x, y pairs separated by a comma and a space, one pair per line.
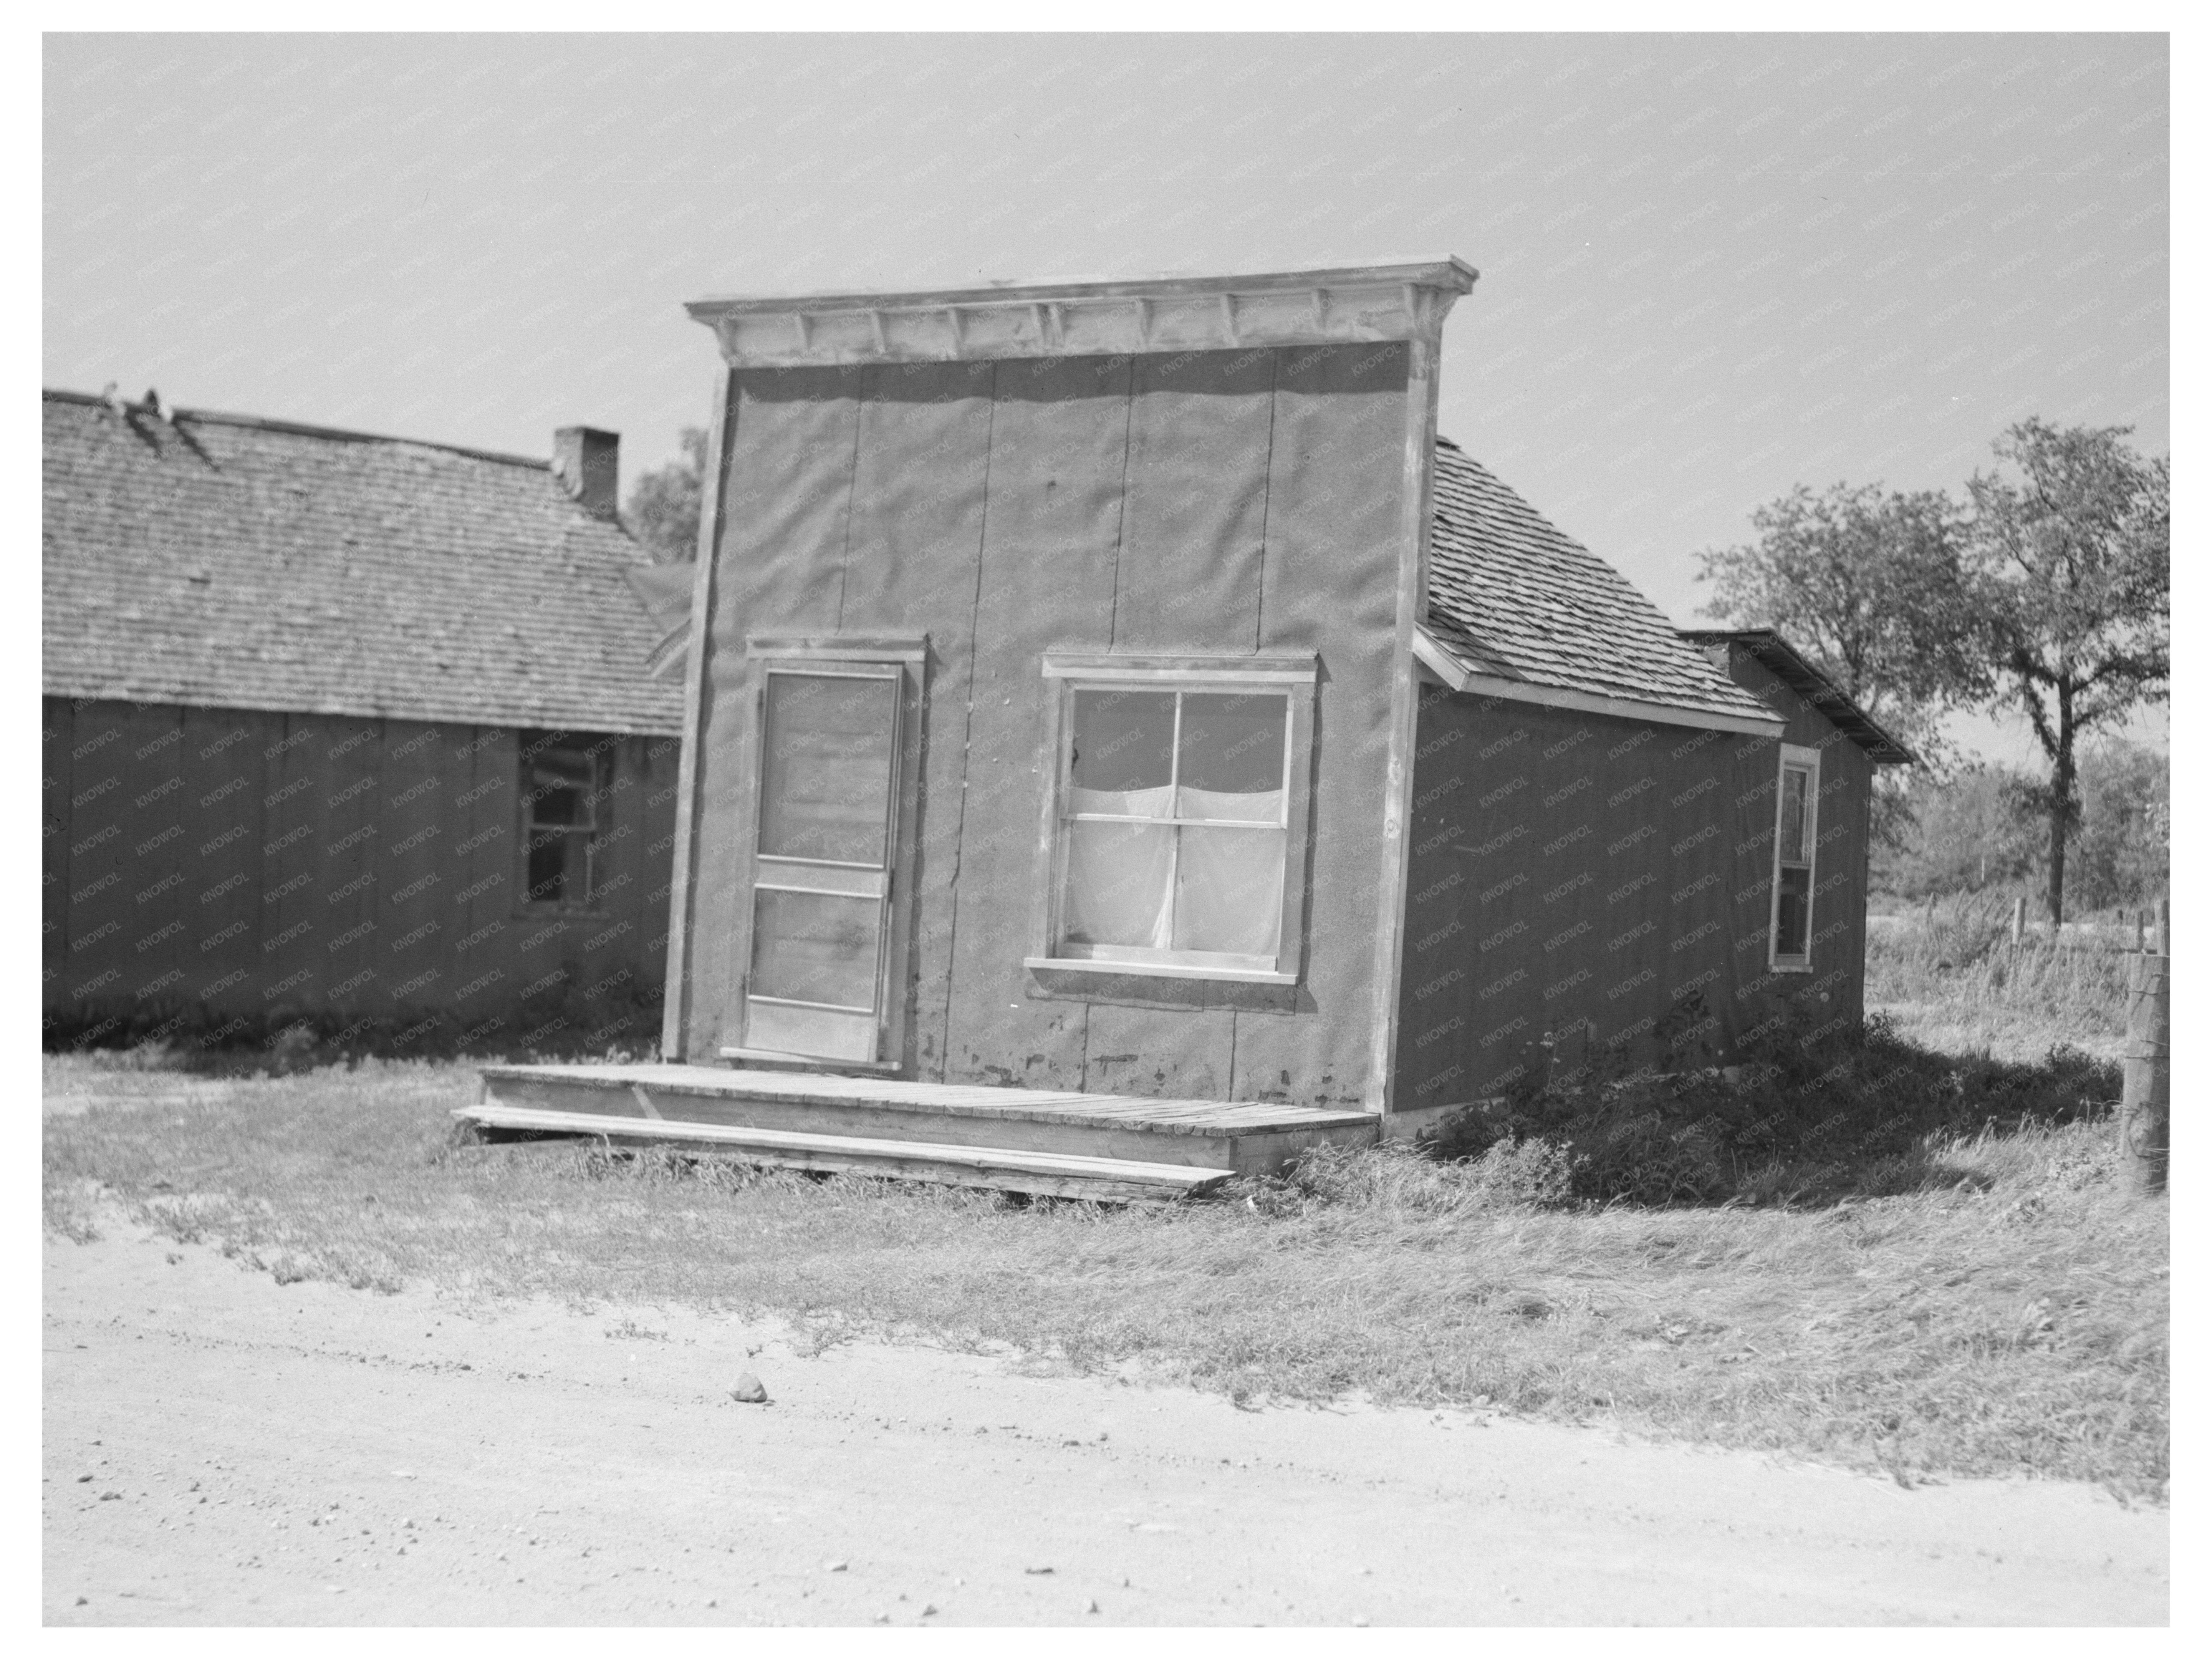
1341, 305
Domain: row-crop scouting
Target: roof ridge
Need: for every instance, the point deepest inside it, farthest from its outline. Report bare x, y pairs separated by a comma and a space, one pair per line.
305, 430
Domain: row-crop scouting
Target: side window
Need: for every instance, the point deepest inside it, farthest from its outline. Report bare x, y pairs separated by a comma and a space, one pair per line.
1178, 819
564, 801
1796, 811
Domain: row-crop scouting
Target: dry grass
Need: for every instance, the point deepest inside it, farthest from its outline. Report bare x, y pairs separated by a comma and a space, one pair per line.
2006, 1316
1954, 980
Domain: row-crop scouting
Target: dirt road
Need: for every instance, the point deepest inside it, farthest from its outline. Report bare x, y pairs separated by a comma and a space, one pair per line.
221, 1449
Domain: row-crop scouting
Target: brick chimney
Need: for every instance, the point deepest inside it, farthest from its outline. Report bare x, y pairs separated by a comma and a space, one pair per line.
585, 460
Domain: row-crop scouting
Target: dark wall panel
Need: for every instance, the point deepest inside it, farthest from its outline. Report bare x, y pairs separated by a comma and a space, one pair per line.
225, 762
54, 743
1839, 873
1329, 584
922, 460
1059, 449
487, 976
415, 945
123, 784
265, 865
352, 827
1580, 878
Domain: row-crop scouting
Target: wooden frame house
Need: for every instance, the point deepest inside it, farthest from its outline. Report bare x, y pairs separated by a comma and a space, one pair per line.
1061, 804
346, 730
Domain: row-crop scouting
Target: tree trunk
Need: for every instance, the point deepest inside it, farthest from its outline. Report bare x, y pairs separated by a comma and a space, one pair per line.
2062, 807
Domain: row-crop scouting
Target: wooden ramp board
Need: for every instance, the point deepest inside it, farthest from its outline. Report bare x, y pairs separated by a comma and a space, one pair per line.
1055, 1175
1163, 1116
1245, 1137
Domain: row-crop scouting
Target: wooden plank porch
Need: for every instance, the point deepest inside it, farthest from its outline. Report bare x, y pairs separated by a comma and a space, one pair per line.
1127, 1148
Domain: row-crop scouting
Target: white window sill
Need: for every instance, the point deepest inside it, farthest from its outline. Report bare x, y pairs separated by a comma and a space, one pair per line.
1788, 967
1158, 970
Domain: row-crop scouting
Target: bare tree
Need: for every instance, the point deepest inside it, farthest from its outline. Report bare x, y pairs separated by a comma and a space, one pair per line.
2069, 556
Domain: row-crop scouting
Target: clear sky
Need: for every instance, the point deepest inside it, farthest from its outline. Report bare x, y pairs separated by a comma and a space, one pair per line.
1712, 266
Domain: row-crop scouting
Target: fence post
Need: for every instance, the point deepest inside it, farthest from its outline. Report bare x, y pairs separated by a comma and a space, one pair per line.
2018, 918
2144, 1075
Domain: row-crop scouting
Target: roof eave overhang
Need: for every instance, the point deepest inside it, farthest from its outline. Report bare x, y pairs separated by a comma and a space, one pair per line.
1433, 654
1403, 299
1783, 660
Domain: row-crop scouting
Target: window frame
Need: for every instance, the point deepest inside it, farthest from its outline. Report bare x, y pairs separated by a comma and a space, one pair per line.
1295, 676
1794, 756
600, 749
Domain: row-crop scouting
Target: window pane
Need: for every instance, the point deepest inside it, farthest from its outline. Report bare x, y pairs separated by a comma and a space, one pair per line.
825, 770
559, 784
815, 947
1229, 890
1124, 740
559, 865
1117, 884
1232, 743
1793, 916
1794, 782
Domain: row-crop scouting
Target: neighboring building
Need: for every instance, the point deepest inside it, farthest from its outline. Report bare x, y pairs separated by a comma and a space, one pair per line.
1054, 720
1596, 860
345, 728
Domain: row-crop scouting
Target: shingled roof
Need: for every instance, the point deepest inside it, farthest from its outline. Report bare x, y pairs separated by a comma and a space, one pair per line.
1519, 608
224, 561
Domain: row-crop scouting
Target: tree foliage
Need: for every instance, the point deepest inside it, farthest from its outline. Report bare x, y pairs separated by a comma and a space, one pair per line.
1870, 587
663, 512
2071, 585
1983, 828
2047, 594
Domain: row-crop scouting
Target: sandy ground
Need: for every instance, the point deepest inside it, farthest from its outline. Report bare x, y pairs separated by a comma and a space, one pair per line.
220, 1448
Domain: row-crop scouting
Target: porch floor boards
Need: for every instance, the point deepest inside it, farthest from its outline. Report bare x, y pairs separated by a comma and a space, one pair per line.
1169, 1116
1123, 1147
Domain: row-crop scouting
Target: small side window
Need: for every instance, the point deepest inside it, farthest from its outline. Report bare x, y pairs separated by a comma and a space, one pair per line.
564, 794
1796, 827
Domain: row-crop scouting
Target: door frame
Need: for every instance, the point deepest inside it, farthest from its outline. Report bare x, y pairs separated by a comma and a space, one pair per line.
909, 654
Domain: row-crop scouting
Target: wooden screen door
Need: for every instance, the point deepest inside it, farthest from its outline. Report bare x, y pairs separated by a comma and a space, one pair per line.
822, 861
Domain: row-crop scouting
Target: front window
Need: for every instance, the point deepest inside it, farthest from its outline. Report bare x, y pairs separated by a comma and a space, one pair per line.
1795, 815
564, 791
1175, 822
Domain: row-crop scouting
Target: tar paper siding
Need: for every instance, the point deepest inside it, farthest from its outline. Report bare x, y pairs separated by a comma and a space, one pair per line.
1205, 502
1579, 878
260, 865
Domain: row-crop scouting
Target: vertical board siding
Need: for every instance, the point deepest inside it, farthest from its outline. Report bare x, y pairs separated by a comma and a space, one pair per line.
488, 974
780, 569
351, 866
1059, 451
252, 866
1840, 871
54, 742
1330, 585
1581, 879
1202, 503
225, 829
414, 949
124, 779
1201, 423
918, 514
